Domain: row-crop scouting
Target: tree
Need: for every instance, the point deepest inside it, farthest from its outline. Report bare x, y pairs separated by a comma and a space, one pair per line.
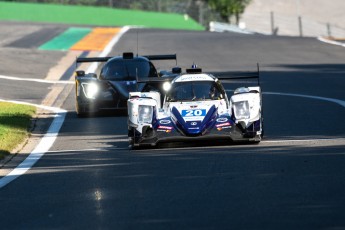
229, 8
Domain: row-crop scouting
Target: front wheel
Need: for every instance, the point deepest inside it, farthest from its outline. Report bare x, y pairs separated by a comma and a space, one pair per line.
82, 111
262, 128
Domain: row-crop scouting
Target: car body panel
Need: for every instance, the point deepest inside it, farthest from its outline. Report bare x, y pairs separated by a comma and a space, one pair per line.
195, 108
118, 76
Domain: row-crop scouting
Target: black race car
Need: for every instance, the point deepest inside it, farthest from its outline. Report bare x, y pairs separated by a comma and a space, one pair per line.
118, 77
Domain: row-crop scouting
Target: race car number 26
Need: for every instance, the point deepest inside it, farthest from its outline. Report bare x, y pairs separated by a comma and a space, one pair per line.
194, 113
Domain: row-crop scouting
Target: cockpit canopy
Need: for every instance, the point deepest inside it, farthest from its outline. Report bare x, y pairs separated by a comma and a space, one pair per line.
195, 91
119, 69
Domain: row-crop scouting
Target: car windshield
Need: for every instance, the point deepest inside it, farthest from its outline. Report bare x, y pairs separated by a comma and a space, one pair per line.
124, 70
194, 91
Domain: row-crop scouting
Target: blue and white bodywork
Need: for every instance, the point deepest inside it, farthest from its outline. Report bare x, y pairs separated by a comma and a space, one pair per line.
195, 107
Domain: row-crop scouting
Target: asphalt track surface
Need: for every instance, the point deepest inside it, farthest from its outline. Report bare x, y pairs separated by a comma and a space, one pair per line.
294, 179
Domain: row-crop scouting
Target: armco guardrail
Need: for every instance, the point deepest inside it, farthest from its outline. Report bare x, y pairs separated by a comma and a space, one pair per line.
223, 27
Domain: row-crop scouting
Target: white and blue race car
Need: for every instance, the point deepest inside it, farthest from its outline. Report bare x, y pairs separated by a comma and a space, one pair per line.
195, 107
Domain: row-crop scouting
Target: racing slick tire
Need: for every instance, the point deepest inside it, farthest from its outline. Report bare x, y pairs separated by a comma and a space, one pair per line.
82, 111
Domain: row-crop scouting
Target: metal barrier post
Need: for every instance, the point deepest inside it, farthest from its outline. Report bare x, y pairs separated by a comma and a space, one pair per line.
272, 22
329, 30
300, 26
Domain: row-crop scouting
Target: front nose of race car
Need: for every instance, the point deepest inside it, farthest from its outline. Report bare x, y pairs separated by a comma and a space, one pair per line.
123, 88
194, 122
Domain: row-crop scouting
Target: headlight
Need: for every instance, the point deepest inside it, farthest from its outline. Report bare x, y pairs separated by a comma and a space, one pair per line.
241, 110
145, 114
166, 86
90, 90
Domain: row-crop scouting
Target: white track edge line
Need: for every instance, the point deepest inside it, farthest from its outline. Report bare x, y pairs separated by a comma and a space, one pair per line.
337, 101
49, 138
328, 41
92, 68
35, 80
44, 145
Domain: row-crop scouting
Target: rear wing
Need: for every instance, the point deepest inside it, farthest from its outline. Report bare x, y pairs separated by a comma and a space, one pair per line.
92, 59
154, 80
238, 75
127, 56
161, 57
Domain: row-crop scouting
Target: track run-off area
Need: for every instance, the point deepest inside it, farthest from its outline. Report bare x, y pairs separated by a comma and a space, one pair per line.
84, 175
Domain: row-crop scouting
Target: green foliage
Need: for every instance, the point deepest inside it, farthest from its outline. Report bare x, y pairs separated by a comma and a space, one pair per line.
228, 8
149, 5
74, 2
82, 2
223, 10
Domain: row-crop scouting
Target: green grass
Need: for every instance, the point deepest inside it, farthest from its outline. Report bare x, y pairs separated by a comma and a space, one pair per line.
96, 16
14, 123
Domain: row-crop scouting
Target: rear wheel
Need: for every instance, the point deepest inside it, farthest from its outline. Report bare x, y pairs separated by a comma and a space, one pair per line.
259, 137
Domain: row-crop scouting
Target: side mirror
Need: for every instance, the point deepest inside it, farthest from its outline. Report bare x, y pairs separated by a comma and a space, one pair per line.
80, 73
92, 75
177, 70
127, 55
163, 72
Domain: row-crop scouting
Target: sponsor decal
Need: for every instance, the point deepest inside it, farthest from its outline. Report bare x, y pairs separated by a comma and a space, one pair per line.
130, 82
196, 77
222, 119
164, 122
193, 113
164, 127
164, 130
225, 127
223, 124
196, 103
194, 128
